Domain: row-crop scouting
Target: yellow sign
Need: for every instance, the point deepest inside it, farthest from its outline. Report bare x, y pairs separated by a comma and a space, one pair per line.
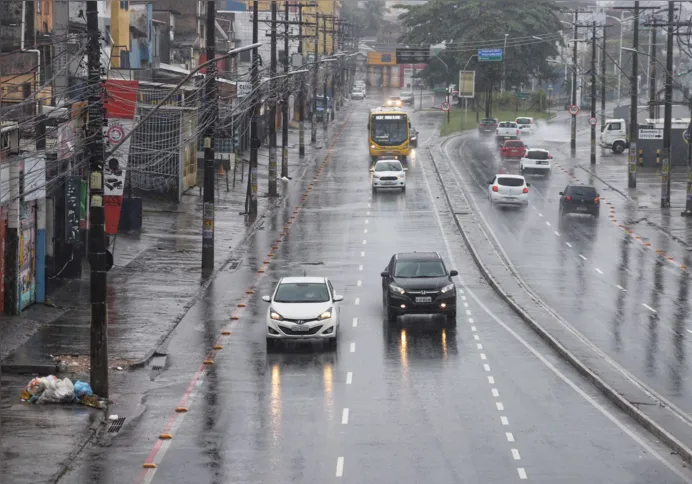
382, 58
467, 82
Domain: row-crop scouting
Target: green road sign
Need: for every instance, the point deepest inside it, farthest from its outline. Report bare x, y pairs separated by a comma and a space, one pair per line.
522, 95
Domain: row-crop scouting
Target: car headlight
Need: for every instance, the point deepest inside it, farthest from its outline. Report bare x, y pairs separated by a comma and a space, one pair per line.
376, 175
372, 147
447, 288
394, 288
275, 316
327, 314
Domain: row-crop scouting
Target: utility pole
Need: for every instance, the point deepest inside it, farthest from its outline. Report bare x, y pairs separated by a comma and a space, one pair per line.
254, 109
593, 93
653, 108
301, 93
325, 118
688, 199
603, 78
211, 115
335, 97
273, 191
97, 236
313, 125
573, 137
634, 97
284, 104
668, 111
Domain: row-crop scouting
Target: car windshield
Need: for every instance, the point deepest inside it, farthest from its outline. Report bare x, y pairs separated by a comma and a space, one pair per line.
432, 268
523, 121
537, 155
389, 129
406, 94
302, 292
514, 144
582, 192
508, 125
388, 166
487, 121
510, 182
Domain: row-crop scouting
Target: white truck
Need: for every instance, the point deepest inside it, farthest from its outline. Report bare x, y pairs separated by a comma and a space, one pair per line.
614, 134
506, 130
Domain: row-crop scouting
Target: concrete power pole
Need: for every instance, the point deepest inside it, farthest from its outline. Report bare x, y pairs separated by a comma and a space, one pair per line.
254, 110
284, 104
273, 190
211, 118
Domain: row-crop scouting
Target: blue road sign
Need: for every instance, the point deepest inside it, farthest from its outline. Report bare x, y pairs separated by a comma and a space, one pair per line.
490, 55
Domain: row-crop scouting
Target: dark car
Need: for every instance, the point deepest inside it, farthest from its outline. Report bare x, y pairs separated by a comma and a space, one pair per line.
487, 125
414, 137
500, 140
418, 283
513, 149
580, 199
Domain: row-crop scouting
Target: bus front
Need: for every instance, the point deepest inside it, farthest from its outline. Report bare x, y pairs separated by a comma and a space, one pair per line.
389, 135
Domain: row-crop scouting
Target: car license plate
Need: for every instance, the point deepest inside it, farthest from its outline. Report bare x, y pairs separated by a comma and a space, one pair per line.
581, 209
300, 328
389, 183
542, 163
423, 299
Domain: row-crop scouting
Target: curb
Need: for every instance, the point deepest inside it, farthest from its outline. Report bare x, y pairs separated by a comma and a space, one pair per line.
88, 435
609, 392
208, 281
30, 369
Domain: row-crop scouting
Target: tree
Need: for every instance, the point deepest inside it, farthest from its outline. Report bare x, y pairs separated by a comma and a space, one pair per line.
369, 19
468, 25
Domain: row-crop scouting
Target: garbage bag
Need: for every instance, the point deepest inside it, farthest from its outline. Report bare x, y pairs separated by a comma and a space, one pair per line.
57, 391
37, 386
82, 389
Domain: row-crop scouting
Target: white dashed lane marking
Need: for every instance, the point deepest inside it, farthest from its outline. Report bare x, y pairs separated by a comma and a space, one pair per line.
568, 244
355, 322
495, 392
362, 253
649, 308
599, 270
339, 467
353, 347
349, 378
556, 233
510, 437
360, 268
344, 416
365, 231
522, 473
365, 241
491, 380
483, 357
360, 283
582, 256
515, 454
357, 301
548, 224
499, 406
504, 420
486, 367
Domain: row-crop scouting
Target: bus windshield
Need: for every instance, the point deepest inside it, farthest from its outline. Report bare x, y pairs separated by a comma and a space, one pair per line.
389, 129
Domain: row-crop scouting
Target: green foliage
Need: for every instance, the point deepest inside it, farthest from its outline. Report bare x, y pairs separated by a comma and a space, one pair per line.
467, 25
369, 19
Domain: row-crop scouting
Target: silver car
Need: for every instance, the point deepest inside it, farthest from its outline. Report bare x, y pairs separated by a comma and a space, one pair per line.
357, 94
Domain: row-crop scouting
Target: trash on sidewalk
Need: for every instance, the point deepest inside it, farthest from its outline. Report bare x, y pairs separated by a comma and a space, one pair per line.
52, 389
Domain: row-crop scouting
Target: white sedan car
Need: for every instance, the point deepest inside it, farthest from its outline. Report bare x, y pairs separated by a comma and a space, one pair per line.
388, 173
303, 308
509, 190
536, 161
357, 94
527, 126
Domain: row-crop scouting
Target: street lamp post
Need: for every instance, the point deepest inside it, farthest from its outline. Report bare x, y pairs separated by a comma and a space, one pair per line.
504, 64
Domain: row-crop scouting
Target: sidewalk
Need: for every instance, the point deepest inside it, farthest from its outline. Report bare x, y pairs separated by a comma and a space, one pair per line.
155, 280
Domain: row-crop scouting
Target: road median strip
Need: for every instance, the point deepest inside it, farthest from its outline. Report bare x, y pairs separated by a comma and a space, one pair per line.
605, 388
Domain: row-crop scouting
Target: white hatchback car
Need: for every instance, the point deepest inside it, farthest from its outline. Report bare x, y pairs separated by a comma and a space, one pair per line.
527, 126
536, 160
388, 173
509, 190
303, 308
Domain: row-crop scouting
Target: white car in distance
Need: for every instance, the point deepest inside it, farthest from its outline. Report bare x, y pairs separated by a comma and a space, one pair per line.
527, 126
388, 173
509, 190
536, 160
303, 308
357, 94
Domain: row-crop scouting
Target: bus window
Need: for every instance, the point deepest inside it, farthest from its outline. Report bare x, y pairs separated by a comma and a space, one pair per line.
389, 130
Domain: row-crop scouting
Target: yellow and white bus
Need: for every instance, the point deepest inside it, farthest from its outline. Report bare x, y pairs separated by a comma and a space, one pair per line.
389, 133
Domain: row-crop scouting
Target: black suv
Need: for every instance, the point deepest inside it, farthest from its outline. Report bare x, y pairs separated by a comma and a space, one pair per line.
418, 283
580, 199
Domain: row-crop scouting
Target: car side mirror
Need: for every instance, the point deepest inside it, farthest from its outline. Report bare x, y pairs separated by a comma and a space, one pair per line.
528, 184
267, 298
490, 182
561, 193
384, 274
405, 169
338, 298
453, 273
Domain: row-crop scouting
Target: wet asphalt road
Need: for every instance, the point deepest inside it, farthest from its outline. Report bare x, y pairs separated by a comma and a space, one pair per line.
411, 402
624, 297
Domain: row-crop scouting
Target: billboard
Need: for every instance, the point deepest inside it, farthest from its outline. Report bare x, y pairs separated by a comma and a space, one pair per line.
467, 84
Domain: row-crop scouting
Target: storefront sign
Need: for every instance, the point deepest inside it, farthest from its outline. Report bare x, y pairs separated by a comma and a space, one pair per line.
72, 208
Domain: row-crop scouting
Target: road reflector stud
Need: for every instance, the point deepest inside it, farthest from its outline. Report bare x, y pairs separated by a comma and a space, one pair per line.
208, 362
648, 244
242, 305
249, 291
235, 318
659, 251
181, 409
225, 333
149, 465
217, 347
683, 266
261, 270
165, 436
671, 258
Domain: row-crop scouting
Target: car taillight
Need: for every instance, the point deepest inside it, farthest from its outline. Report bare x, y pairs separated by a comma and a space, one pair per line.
517, 132
568, 198
494, 188
525, 190
595, 200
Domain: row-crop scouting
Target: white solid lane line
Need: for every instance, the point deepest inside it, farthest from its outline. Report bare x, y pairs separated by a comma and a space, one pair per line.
649, 308
599, 270
582, 256
568, 244
522, 473
355, 322
353, 347
340, 467
515, 454
349, 378
344, 416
